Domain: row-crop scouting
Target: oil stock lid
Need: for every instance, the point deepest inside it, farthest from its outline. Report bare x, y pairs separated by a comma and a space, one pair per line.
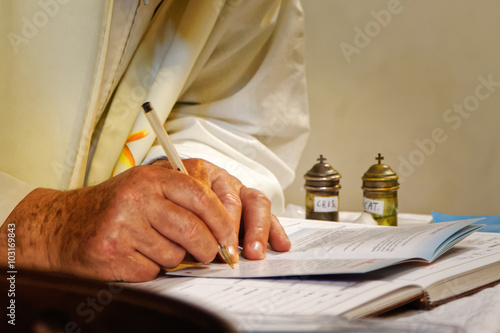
322, 174
380, 176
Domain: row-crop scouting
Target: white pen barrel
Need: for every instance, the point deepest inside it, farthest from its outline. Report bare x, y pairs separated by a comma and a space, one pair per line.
163, 138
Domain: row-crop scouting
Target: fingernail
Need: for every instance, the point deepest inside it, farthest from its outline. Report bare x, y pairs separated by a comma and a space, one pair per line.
233, 251
259, 248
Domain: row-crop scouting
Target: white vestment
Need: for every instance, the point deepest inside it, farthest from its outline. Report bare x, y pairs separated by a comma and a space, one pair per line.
227, 77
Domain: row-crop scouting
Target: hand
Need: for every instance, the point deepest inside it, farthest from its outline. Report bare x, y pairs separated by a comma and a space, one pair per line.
123, 229
130, 226
246, 205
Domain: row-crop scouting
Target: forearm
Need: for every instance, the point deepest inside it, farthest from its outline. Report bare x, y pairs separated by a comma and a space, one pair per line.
33, 230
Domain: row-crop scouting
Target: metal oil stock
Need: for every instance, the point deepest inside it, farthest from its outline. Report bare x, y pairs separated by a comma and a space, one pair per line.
322, 192
380, 193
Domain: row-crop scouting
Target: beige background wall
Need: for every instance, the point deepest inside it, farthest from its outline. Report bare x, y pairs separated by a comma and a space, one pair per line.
412, 85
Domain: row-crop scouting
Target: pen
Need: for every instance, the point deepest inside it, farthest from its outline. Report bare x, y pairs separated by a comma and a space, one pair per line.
174, 158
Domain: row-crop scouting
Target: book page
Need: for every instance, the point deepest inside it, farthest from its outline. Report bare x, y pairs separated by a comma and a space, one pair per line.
340, 249
351, 295
280, 296
405, 242
474, 262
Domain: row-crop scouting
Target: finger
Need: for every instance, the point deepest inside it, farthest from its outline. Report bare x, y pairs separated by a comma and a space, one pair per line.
184, 228
226, 187
228, 191
278, 239
200, 201
257, 222
132, 267
136, 268
159, 249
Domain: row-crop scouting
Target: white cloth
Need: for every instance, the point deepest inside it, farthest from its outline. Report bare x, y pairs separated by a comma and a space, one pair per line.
242, 104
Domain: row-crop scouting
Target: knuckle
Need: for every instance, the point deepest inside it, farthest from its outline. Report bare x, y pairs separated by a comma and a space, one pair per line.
231, 199
142, 173
171, 256
175, 259
106, 248
260, 230
208, 256
120, 197
258, 197
195, 163
201, 162
192, 233
202, 197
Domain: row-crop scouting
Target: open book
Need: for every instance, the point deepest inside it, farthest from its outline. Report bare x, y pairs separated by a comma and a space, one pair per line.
472, 264
320, 248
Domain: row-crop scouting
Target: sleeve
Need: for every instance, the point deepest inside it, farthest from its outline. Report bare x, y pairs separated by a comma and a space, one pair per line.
13, 191
49, 75
244, 107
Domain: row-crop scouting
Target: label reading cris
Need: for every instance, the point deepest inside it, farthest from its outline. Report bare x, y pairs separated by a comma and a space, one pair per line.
326, 204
